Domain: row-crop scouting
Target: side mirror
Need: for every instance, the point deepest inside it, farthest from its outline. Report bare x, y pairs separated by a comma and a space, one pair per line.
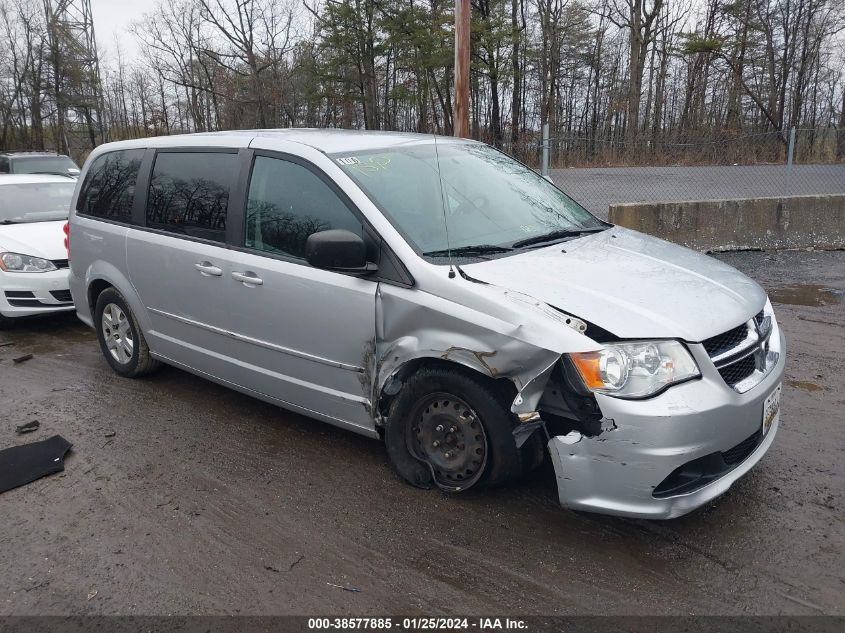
339, 250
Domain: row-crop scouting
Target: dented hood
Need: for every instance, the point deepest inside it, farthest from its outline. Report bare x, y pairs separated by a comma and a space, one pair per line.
631, 284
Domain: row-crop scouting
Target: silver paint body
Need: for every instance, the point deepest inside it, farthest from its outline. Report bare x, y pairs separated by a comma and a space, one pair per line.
326, 344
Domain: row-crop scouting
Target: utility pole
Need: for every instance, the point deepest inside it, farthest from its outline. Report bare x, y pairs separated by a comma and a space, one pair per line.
461, 109
75, 69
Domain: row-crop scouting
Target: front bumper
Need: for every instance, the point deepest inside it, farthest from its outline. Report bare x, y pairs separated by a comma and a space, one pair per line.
28, 294
644, 441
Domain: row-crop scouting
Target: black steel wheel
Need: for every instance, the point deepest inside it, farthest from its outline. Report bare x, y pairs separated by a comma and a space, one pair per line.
453, 428
446, 433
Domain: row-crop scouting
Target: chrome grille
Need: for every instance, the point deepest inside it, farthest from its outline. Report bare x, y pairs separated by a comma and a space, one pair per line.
741, 355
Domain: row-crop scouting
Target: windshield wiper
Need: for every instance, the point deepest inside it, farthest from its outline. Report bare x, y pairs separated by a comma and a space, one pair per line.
10, 222
469, 251
554, 235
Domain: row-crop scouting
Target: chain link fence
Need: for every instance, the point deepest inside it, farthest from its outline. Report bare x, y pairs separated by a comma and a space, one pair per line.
601, 172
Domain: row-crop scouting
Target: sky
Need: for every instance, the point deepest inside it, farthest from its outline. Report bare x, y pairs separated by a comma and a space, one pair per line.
112, 19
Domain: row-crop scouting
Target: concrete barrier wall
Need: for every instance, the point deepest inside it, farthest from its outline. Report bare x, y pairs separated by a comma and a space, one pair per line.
754, 223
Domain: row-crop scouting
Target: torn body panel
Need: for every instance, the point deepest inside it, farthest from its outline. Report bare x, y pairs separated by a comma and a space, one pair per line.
494, 331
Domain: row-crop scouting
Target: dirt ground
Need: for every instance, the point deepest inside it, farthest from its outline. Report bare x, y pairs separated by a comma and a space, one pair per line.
182, 497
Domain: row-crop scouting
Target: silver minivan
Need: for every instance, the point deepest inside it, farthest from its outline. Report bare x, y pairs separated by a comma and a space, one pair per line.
435, 294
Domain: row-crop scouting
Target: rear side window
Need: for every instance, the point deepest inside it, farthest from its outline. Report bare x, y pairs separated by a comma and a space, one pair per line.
189, 193
109, 187
287, 203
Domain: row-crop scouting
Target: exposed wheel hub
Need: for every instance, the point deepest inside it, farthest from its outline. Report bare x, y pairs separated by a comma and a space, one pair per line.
447, 434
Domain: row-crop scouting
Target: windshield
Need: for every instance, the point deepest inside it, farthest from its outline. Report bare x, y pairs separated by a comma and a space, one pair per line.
490, 199
44, 165
35, 201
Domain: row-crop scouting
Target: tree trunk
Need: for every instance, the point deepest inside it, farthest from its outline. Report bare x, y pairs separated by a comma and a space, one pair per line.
516, 104
496, 122
635, 75
840, 133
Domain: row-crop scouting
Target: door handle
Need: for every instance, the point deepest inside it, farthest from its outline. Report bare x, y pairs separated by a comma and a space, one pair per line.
207, 269
248, 278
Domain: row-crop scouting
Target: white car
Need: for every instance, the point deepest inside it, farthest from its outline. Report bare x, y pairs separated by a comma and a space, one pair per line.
33, 247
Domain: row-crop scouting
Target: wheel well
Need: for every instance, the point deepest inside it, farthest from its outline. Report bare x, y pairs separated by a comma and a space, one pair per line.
94, 289
502, 386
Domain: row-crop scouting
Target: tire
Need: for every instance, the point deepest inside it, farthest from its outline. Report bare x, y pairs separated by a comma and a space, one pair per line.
452, 429
121, 340
7, 323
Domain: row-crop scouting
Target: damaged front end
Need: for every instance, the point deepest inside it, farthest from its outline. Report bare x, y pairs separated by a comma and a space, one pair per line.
503, 335
657, 456
510, 338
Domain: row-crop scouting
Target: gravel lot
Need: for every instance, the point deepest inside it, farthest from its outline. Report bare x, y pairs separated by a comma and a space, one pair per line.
182, 497
597, 188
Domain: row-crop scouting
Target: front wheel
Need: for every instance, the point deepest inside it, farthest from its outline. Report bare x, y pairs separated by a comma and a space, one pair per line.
453, 429
121, 341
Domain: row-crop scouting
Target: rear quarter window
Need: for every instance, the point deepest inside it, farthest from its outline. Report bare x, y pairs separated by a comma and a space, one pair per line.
108, 191
189, 193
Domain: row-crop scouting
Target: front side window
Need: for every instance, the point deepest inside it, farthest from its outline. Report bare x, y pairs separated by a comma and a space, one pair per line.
189, 193
109, 187
35, 201
287, 203
471, 193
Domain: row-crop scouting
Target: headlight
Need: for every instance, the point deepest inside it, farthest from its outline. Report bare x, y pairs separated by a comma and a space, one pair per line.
17, 263
635, 369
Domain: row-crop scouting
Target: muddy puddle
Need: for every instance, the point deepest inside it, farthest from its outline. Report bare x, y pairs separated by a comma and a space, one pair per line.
814, 295
804, 384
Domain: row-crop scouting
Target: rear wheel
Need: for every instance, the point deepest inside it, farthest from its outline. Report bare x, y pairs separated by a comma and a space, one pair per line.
453, 429
121, 341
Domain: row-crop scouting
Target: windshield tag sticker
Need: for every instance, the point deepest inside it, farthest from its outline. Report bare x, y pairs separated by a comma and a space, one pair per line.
371, 166
348, 160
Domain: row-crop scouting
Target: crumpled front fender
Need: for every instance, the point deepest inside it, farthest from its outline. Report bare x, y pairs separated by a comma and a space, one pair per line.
496, 332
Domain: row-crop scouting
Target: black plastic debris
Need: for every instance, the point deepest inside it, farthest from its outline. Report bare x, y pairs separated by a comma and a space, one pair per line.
29, 427
24, 464
21, 359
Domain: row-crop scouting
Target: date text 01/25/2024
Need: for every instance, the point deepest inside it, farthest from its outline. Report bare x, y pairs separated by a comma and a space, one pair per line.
418, 624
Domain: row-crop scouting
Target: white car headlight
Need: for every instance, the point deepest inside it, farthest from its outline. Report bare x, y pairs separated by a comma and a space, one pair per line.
635, 369
17, 263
